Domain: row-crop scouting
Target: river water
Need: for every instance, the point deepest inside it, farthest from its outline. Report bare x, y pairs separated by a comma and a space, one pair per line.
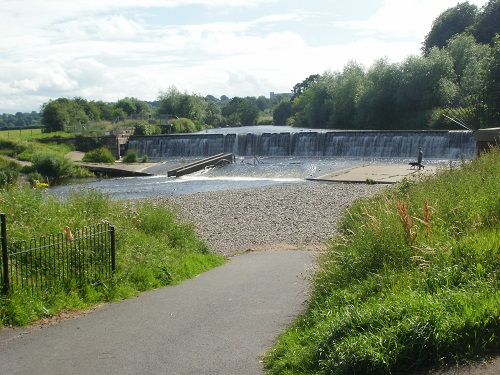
246, 172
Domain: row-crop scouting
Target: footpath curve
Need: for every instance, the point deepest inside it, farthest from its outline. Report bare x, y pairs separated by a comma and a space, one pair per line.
220, 322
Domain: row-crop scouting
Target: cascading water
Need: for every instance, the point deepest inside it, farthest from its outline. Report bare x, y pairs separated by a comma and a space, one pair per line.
379, 144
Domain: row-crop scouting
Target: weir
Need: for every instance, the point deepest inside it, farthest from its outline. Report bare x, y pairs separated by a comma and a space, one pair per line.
451, 145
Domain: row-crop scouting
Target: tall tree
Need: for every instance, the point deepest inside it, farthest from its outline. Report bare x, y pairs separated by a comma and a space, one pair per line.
312, 108
469, 60
282, 112
299, 88
61, 114
449, 23
133, 106
487, 22
241, 111
492, 90
378, 102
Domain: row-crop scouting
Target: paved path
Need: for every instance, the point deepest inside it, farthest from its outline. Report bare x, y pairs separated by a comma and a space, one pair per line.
379, 173
220, 322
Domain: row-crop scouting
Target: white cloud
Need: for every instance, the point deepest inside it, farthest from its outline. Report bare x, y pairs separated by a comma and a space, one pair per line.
109, 49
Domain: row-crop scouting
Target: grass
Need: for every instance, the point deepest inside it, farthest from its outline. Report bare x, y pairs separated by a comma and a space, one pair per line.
411, 283
154, 248
21, 134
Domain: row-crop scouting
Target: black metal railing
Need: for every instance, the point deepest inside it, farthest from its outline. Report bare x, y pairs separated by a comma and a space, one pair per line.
86, 256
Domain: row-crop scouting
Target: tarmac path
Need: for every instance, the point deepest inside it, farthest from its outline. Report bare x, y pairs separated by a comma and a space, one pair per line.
220, 322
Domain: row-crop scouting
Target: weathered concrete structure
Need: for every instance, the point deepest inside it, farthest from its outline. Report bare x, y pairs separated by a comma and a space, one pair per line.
486, 138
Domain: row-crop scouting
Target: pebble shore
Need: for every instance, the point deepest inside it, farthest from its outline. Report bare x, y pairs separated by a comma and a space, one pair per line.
276, 218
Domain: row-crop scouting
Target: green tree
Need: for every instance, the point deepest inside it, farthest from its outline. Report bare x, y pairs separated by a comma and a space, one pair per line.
378, 103
61, 114
452, 21
176, 103
312, 108
241, 111
282, 112
344, 94
299, 88
487, 23
492, 88
133, 106
427, 82
469, 60
263, 103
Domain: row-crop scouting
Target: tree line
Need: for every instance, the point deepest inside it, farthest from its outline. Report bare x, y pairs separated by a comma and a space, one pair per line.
453, 83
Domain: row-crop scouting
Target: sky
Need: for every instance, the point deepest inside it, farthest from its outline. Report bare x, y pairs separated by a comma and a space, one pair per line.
111, 49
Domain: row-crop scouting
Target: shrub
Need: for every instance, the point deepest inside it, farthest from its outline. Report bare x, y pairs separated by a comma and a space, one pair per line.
99, 155
183, 125
9, 172
143, 128
130, 157
51, 165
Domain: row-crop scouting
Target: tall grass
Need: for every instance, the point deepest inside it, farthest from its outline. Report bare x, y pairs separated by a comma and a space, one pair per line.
154, 247
412, 282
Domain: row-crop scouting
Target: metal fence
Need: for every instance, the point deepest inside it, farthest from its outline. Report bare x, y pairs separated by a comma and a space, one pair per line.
86, 256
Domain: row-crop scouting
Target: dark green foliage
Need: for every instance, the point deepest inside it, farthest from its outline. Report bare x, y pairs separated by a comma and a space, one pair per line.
492, 87
451, 22
99, 155
62, 114
51, 165
241, 111
18, 120
143, 128
132, 106
282, 112
183, 125
299, 88
9, 172
487, 23
130, 157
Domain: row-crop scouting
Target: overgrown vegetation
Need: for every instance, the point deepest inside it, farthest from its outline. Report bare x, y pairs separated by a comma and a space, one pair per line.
412, 282
9, 172
48, 161
131, 157
154, 248
99, 155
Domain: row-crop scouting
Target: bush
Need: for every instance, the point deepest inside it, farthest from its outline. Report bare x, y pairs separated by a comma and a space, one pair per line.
183, 125
143, 128
9, 172
99, 155
130, 157
51, 165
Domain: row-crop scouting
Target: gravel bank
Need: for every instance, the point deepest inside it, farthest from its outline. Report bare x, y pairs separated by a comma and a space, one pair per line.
291, 217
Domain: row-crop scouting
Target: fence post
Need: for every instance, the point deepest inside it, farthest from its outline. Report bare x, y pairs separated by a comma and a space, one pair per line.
5, 256
113, 256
